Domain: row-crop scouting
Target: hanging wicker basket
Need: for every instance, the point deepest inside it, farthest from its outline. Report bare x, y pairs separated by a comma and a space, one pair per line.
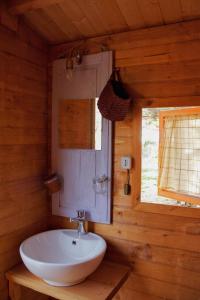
114, 101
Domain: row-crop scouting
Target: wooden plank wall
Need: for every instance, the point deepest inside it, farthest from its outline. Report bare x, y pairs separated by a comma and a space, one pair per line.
23, 143
159, 65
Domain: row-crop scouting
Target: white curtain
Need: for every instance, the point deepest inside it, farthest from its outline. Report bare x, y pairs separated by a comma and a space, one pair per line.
179, 155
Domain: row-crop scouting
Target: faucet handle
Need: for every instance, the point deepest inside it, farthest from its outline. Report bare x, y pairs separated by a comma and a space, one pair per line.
81, 214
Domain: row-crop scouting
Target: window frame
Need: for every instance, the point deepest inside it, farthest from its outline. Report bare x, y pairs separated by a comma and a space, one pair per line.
164, 192
138, 105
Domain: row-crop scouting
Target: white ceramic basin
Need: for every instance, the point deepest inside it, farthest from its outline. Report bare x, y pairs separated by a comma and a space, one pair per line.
60, 258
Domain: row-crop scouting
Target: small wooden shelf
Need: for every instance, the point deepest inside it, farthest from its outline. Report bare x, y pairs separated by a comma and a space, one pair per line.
102, 284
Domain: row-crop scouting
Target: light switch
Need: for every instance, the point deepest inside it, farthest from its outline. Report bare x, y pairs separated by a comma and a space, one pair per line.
126, 162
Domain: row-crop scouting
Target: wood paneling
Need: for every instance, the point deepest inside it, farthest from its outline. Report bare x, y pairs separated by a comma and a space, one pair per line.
159, 66
23, 143
65, 20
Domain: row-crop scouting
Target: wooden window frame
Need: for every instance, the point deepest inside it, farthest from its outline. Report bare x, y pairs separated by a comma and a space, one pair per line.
164, 192
139, 104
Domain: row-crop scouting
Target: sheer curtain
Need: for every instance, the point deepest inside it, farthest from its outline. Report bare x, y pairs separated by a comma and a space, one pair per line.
179, 153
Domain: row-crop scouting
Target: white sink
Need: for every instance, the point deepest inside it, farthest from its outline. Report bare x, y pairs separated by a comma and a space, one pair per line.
60, 258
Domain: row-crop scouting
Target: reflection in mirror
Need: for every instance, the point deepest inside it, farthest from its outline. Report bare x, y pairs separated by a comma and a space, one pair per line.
80, 124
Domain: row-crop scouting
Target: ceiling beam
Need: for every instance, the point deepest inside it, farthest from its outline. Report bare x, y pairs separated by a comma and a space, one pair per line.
17, 7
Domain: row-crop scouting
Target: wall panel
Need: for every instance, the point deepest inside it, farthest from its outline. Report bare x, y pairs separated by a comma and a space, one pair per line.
158, 65
23, 144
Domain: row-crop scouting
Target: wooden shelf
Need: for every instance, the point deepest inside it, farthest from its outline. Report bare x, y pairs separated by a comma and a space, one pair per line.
102, 284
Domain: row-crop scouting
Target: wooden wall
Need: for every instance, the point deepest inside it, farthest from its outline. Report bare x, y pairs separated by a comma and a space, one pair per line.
159, 65
23, 141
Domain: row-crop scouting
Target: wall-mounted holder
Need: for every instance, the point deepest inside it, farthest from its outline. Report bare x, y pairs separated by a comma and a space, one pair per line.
100, 184
126, 164
53, 183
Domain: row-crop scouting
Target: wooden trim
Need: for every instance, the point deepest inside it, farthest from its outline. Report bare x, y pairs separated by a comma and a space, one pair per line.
167, 102
169, 210
180, 112
137, 154
160, 148
179, 197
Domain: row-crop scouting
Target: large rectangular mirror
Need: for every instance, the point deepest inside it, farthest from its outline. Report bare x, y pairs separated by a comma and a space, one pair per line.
80, 124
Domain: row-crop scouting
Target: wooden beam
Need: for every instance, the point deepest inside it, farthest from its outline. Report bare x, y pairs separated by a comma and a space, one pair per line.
17, 7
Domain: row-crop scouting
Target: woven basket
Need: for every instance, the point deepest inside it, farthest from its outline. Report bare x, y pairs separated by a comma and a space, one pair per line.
53, 183
114, 101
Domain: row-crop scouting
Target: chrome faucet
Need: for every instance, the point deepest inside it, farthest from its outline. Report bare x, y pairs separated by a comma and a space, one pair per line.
80, 219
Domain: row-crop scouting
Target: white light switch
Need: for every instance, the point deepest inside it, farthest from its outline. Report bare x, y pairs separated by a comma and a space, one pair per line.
126, 162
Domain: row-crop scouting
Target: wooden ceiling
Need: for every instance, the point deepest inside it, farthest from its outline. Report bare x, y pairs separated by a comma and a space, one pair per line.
61, 21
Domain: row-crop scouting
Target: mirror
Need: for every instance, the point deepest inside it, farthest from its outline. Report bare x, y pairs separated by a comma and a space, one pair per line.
80, 124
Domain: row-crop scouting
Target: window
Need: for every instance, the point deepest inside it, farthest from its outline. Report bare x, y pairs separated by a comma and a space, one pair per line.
179, 155
171, 156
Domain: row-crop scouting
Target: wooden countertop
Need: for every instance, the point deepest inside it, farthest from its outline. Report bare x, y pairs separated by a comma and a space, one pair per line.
102, 284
